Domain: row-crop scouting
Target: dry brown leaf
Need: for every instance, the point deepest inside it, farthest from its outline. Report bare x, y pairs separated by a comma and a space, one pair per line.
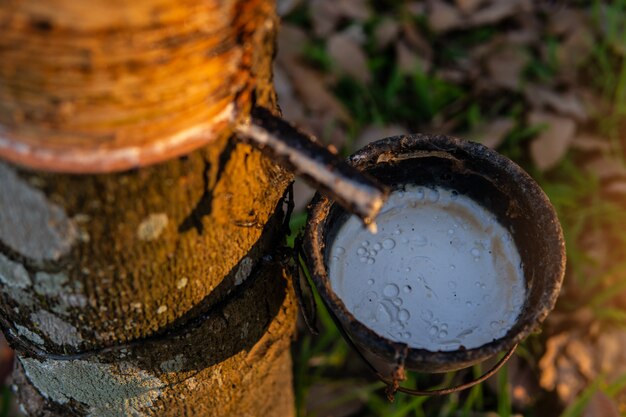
415, 8
386, 32
356, 33
310, 87
468, 6
505, 66
616, 188
566, 20
552, 144
558, 371
591, 143
358, 10
499, 10
491, 134
348, 56
547, 363
373, 132
582, 355
408, 61
573, 51
522, 37
570, 369
601, 405
417, 41
443, 17
606, 167
611, 343
566, 103
325, 15
452, 75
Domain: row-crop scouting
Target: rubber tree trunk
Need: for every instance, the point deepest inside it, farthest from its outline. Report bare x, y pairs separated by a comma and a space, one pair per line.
155, 291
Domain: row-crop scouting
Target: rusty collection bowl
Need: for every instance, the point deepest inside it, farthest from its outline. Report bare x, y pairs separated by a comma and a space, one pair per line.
487, 177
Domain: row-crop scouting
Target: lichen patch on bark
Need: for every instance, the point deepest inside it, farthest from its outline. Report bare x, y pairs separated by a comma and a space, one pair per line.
152, 226
13, 274
244, 270
173, 365
107, 390
18, 296
30, 224
33, 337
57, 330
50, 284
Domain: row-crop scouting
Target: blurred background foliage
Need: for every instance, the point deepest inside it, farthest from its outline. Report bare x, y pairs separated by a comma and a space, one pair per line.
544, 83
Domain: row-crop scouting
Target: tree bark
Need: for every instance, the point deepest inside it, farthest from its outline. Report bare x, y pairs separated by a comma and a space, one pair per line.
157, 291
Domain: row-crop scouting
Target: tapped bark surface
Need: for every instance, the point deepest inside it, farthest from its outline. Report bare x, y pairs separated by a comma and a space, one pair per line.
159, 291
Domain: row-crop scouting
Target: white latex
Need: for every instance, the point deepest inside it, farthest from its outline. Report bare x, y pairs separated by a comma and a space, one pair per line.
441, 272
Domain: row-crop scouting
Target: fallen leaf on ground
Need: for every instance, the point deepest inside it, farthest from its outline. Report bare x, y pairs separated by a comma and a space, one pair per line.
491, 134
325, 15
566, 103
468, 6
386, 32
570, 370
408, 60
417, 41
566, 20
416, 8
311, 88
358, 10
347, 55
356, 33
573, 51
616, 188
443, 17
505, 65
499, 10
559, 371
452, 75
605, 167
591, 143
552, 144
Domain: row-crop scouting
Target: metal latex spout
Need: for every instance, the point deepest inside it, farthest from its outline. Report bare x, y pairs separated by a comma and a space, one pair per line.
302, 154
